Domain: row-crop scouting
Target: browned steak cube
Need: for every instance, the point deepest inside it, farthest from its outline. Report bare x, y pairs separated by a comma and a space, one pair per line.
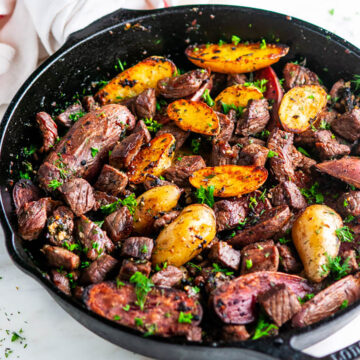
287, 193
288, 260
227, 127
253, 154
234, 333
130, 267
179, 134
296, 75
111, 180
119, 224
89, 103
60, 281
48, 129
350, 257
348, 125
142, 129
137, 247
61, 258
145, 104
24, 191
224, 254
165, 219
70, 115
223, 153
60, 226
229, 213
102, 199
168, 277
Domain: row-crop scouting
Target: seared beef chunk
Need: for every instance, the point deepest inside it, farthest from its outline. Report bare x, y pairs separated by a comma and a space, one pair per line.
211, 279
288, 260
280, 303
342, 96
59, 257
349, 203
98, 130
130, 267
111, 181
142, 128
262, 256
61, 281
287, 193
179, 134
168, 277
137, 247
253, 154
24, 191
296, 75
229, 213
181, 170
89, 103
254, 118
234, 333
125, 151
60, 226
236, 79
102, 199
267, 226
145, 104
161, 309
153, 181
165, 219
198, 95
336, 89
227, 126
94, 240
47, 173
328, 301
48, 129
223, 253
32, 219
348, 125
98, 270
119, 224
183, 85
350, 257
223, 154
78, 194
234, 301
71, 114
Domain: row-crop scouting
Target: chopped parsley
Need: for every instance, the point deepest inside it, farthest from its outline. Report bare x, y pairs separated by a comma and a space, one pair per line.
185, 318
221, 42
120, 65
117, 317
151, 329
263, 44
54, 184
195, 145
206, 195
142, 286
303, 151
263, 328
207, 98
144, 249
344, 304
345, 234
356, 82
260, 84
284, 240
217, 268
312, 194
94, 152
249, 263
29, 151
235, 39
271, 154
76, 116
324, 125
138, 322
349, 218
311, 97
126, 307
336, 267
152, 125
252, 202
331, 11
130, 202
306, 298
197, 267
119, 283
227, 107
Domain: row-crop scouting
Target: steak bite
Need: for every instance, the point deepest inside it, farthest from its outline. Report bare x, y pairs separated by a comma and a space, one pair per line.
145, 104
262, 256
24, 191
142, 128
350, 257
287, 193
70, 115
223, 154
296, 75
60, 226
89, 103
102, 199
61, 281
234, 333
168, 277
111, 181
119, 224
223, 253
181, 170
288, 259
348, 125
137, 247
254, 118
280, 303
227, 126
165, 219
253, 154
179, 134
78, 194
229, 213
349, 203
98, 270
328, 301
94, 240
48, 129
61, 258
130, 267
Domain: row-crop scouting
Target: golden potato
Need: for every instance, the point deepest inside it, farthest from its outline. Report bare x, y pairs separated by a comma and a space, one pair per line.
314, 237
151, 203
300, 106
238, 95
240, 58
194, 116
152, 159
186, 236
136, 79
230, 180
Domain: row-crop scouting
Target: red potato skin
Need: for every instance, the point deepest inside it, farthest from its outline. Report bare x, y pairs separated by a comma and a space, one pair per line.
234, 302
274, 92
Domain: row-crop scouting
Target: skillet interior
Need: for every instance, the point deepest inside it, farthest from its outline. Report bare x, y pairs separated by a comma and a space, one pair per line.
90, 55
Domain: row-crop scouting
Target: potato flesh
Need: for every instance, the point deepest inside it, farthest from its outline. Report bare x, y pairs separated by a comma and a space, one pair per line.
230, 180
230, 58
153, 159
300, 106
194, 116
186, 236
153, 202
136, 79
314, 237
238, 95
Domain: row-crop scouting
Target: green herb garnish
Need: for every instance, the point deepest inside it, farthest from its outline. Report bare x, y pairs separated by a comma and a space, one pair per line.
206, 195
142, 286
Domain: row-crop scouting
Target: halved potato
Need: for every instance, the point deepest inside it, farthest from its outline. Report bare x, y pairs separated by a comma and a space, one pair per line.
230, 58
194, 116
153, 159
136, 79
230, 180
186, 236
153, 202
238, 95
300, 106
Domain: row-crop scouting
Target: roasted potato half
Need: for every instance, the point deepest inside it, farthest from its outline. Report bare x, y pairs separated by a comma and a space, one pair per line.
300, 106
314, 237
186, 236
152, 159
153, 202
230, 180
136, 79
240, 58
194, 116
238, 95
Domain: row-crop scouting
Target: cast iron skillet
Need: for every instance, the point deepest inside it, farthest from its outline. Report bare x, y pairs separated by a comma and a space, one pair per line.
90, 54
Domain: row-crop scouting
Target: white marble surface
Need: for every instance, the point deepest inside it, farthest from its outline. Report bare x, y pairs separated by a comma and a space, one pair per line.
52, 334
